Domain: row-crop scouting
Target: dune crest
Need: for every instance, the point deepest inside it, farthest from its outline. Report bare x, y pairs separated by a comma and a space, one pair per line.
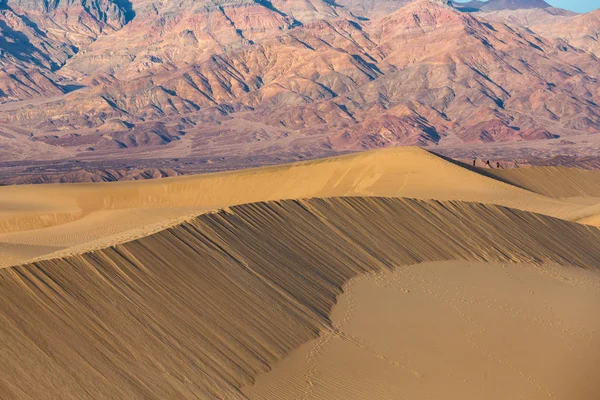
198, 310
83, 217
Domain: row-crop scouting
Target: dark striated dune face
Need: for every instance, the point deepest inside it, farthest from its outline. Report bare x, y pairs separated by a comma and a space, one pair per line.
198, 310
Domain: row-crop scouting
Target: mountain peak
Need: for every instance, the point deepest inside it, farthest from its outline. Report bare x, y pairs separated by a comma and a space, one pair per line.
442, 2
497, 5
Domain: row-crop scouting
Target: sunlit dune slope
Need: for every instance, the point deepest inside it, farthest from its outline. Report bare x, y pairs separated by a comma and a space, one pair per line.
198, 310
451, 330
89, 216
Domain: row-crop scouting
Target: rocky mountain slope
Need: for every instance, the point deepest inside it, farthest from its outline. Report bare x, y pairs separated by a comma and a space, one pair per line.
243, 78
582, 31
37, 38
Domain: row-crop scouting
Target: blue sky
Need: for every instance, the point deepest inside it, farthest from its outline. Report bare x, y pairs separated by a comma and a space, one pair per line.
576, 5
573, 5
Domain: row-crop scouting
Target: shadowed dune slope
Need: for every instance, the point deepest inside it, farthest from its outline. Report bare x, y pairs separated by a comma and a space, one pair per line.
557, 182
568, 184
198, 310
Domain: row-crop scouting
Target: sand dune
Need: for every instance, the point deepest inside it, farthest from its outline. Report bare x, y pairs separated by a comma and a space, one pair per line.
451, 330
557, 182
568, 184
203, 308
83, 217
224, 286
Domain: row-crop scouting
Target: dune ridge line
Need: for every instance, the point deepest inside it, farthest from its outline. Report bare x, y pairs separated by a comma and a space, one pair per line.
198, 310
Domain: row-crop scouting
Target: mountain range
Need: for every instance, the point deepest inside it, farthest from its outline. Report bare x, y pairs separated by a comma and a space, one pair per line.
194, 85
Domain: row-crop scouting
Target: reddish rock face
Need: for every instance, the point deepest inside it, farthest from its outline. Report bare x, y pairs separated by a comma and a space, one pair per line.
100, 79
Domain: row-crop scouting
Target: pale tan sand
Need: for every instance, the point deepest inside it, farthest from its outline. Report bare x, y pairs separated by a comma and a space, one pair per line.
12, 254
568, 184
557, 182
201, 309
89, 216
96, 230
452, 330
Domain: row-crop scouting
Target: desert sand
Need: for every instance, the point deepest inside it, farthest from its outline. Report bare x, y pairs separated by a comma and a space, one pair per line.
387, 274
451, 330
65, 219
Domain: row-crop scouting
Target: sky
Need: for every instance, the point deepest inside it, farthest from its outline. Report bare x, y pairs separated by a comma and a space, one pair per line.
573, 5
576, 5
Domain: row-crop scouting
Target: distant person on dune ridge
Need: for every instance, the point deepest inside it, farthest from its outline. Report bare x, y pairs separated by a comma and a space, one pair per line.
474, 161
488, 163
498, 164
